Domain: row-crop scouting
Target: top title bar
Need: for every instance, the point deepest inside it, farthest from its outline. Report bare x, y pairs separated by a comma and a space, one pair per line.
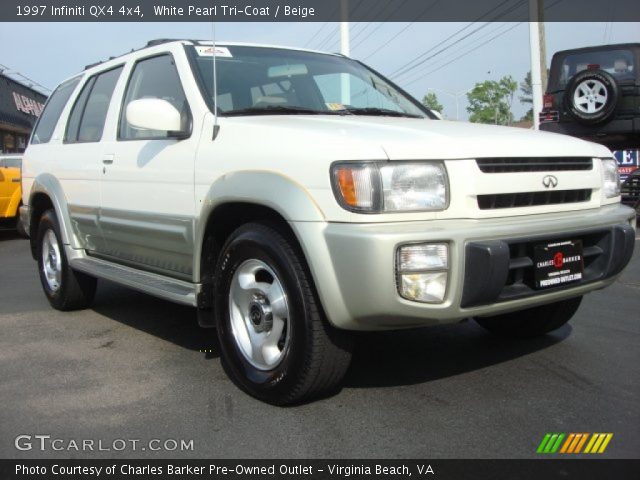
319, 10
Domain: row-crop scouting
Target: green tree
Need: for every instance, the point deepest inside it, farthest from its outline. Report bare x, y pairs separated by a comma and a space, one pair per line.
526, 95
490, 101
430, 100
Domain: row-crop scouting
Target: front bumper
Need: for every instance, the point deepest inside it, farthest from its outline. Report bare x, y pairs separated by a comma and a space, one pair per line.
353, 265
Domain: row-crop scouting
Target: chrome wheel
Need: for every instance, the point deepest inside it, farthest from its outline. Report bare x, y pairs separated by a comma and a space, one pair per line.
259, 314
590, 96
51, 260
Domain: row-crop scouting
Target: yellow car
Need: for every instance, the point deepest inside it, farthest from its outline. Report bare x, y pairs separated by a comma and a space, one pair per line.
11, 190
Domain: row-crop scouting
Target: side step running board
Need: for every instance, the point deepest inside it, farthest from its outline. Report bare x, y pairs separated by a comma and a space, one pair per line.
157, 285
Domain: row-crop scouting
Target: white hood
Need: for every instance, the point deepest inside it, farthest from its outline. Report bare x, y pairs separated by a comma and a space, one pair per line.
413, 139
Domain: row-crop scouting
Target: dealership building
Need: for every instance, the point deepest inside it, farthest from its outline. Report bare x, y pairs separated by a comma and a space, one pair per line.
20, 107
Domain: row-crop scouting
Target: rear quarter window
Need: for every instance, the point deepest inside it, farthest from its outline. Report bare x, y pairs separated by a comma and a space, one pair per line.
52, 110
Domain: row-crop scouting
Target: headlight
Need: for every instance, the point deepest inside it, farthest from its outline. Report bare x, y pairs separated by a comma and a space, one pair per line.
390, 187
611, 180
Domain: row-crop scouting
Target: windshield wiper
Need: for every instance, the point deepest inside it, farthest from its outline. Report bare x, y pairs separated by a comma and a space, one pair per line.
278, 110
383, 112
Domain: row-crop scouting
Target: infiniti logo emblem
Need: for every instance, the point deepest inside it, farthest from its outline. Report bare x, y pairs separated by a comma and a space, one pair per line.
549, 181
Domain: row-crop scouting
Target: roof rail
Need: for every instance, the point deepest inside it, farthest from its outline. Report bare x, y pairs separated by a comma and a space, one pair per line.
91, 65
150, 43
160, 41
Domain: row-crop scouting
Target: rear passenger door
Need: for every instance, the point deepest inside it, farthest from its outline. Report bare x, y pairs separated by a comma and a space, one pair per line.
147, 183
82, 156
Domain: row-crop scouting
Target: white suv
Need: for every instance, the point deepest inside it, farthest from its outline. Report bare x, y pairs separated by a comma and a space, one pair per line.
295, 196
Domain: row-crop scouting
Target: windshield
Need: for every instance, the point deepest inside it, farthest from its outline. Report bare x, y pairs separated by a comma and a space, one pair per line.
258, 80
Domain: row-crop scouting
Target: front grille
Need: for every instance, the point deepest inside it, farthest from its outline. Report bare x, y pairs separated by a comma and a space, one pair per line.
532, 199
533, 164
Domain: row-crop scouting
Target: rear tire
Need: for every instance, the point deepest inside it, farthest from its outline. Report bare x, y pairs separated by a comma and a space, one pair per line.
276, 343
65, 288
532, 322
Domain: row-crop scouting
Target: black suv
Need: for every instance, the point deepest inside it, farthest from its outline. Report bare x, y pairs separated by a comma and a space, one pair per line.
594, 93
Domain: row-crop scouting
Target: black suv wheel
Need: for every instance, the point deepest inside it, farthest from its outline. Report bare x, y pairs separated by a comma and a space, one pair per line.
592, 96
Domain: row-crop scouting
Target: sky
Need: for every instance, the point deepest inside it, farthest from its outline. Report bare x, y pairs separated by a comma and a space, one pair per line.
50, 52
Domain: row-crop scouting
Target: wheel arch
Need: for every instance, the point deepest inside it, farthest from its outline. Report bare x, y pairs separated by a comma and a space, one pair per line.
245, 197
46, 193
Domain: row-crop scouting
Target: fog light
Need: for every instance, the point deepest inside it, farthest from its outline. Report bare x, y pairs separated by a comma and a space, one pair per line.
424, 287
422, 272
418, 258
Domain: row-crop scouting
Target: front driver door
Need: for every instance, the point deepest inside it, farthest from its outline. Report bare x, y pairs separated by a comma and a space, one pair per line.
147, 183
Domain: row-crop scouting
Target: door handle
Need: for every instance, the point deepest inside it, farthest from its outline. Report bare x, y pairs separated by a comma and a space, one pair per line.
108, 159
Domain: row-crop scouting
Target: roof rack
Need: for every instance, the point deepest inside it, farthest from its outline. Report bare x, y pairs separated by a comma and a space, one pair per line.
150, 43
160, 41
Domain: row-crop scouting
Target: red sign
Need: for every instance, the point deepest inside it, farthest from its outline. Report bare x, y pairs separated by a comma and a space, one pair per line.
27, 105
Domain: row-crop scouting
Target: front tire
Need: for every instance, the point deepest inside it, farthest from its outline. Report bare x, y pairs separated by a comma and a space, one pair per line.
276, 342
532, 322
65, 288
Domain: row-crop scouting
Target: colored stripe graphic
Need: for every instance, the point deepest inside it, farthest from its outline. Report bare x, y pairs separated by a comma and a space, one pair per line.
572, 443
543, 443
581, 443
598, 443
551, 443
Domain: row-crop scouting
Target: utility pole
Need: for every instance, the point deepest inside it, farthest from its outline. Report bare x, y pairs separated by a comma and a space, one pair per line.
344, 28
345, 86
536, 9
543, 46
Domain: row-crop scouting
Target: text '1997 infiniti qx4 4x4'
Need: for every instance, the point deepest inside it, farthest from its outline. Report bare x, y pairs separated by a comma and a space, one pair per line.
300, 196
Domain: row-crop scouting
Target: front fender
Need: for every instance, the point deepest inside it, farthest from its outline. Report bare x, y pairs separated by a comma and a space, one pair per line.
268, 189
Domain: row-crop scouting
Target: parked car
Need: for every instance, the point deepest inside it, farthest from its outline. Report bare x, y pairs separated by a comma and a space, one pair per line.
594, 93
631, 191
11, 192
299, 196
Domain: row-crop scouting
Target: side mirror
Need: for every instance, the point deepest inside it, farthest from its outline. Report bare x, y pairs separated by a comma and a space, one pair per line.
437, 114
155, 114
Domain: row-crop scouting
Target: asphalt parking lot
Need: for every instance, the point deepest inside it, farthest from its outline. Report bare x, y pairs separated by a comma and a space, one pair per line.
134, 367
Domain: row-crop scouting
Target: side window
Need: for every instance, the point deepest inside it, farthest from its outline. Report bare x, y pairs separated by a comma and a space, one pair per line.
86, 122
155, 77
49, 117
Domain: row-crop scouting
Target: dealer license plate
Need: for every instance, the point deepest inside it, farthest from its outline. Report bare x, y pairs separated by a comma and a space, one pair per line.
558, 263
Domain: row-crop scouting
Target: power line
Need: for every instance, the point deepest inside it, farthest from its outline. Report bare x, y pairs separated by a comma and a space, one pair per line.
315, 34
406, 27
328, 38
446, 62
438, 61
419, 60
442, 50
6, 71
463, 55
381, 24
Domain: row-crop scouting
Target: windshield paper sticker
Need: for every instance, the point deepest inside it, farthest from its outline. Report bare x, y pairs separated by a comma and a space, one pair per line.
205, 51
